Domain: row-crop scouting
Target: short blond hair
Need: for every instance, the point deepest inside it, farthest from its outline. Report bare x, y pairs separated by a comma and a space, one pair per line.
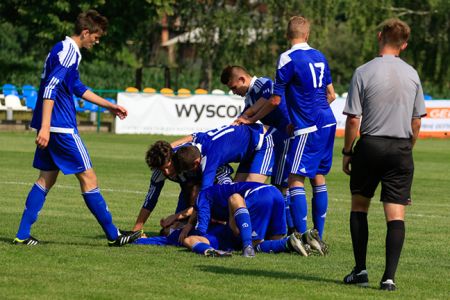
298, 27
394, 32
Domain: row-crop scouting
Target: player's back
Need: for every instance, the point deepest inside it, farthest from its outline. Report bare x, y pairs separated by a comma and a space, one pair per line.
229, 143
59, 81
306, 90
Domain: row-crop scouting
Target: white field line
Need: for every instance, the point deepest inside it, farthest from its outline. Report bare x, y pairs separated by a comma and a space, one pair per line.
76, 187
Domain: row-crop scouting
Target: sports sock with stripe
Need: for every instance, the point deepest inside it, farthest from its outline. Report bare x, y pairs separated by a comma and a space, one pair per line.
97, 205
33, 205
299, 208
243, 223
319, 207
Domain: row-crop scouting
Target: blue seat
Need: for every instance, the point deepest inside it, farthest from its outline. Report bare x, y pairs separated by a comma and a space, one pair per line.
427, 97
88, 106
102, 109
30, 95
10, 89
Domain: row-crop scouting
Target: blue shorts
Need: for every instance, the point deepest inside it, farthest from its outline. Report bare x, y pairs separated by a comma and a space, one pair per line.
65, 152
280, 171
267, 213
311, 153
262, 159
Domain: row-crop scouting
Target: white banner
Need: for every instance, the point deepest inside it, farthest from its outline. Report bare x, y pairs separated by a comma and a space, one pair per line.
158, 114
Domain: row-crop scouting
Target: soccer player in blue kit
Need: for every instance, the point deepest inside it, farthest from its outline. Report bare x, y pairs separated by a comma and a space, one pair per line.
304, 79
256, 92
251, 145
254, 211
59, 147
159, 159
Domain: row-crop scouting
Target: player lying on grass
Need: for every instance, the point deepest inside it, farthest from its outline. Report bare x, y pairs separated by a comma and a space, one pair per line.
254, 211
251, 145
159, 159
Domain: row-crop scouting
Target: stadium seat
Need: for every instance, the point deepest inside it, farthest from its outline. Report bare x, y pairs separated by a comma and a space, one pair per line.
344, 95
131, 89
88, 106
217, 92
30, 95
149, 90
184, 92
167, 92
427, 97
10, 89
201, 92
230, 92
2, 106
13, 102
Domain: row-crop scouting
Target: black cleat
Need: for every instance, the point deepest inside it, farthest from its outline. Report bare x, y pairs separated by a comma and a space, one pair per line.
31, 241
248, 251
388, 285
360, 279
124, 239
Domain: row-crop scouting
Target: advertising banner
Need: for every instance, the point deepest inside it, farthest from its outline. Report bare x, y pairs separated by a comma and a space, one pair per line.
158, 114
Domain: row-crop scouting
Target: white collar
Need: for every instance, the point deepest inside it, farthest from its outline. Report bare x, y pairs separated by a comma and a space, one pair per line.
302, 46
250, 86
68, 38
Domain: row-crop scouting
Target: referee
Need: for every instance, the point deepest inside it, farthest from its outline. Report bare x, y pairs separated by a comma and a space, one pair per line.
386, 99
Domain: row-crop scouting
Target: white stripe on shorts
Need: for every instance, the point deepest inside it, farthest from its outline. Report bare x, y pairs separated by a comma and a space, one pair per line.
299, 152
82, 150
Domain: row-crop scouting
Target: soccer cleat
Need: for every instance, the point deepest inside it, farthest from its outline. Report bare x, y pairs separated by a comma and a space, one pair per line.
388, 285
31, 241
312, 238
360, 279
125, 239
248, 251
217, 253
295, 243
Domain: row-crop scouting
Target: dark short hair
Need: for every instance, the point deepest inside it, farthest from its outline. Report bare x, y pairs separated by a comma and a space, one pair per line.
184, 159
158, 154
230, 72
394, 32
92, 21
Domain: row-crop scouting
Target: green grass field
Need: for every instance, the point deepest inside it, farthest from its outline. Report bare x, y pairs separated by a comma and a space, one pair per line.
74, 262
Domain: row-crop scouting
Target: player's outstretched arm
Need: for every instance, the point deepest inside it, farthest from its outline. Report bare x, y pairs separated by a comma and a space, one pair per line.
183, 140
249, 112
115, 109
268, 106
141, 219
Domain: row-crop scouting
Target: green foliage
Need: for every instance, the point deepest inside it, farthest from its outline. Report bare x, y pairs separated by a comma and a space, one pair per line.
243, 32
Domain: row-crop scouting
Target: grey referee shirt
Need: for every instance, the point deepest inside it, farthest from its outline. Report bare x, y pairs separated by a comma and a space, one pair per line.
386, 92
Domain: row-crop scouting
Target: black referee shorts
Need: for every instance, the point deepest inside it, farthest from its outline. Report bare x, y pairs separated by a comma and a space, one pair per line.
384, 159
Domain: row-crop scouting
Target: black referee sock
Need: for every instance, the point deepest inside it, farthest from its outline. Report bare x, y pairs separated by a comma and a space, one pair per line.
394, 244
360, 234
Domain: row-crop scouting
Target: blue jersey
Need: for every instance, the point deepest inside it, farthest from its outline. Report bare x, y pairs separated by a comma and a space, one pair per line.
225, 145
213, 202
262, 87
302, 77
60, 80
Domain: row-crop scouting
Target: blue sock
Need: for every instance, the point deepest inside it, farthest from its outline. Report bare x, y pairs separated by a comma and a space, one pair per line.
287, 200
97, 205
319, 207
33, 205
200, 248
299, 208
274, 246
242, 218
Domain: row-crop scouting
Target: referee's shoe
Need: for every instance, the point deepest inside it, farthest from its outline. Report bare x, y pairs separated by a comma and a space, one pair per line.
360, 279
125, 239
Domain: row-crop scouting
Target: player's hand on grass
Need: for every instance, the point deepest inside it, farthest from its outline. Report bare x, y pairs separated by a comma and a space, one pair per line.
43, 138
119, 111
346, 162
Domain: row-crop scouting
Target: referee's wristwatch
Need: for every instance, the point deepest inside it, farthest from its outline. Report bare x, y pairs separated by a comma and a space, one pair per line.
347, 153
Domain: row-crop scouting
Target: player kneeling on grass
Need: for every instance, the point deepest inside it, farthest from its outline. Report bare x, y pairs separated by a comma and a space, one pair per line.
255, 213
